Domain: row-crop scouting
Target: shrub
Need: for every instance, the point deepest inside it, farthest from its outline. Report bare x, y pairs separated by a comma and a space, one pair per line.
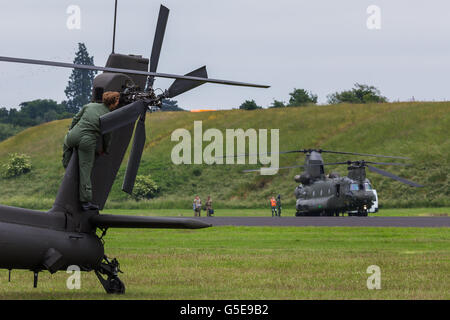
277, 104
361, 93
18, 164
301, 97
145, 188
249, 105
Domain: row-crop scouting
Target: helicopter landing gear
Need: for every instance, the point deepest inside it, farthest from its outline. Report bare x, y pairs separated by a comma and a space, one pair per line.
112, 284
35, 278
361, 213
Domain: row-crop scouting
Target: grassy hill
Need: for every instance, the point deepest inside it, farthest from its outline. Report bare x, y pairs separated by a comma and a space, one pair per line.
416, 130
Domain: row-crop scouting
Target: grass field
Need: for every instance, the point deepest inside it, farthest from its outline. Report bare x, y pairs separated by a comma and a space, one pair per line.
416, 130
413, 212
261, 263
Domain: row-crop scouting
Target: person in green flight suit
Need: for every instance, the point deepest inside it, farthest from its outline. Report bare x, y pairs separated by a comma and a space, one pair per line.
279, 205
83, 134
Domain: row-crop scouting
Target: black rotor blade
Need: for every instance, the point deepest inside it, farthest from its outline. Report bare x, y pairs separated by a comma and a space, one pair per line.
281, 168
128, 71
259, 154
393, 176
299, 166
122, 116
330, 164
181, 86
365, 162
387, 163
135, 156
363, 154
157, 42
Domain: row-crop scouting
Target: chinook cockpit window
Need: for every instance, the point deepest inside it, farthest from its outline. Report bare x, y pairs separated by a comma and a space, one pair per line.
367, 186
354, 187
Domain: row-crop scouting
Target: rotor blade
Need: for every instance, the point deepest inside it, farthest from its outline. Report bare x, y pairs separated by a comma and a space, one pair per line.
363, 154
158, 41
122, 221
393, 176
365, 162
328, 164
299, 166
388, 163
128, 71
281, 168
322, 151
135, 156
259, 154
181, 86
121, 117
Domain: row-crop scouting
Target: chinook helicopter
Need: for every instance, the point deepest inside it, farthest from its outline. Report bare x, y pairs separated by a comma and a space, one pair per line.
66, 235
322, 195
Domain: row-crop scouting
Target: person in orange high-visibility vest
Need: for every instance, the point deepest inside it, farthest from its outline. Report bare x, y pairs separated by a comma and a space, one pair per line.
273, 204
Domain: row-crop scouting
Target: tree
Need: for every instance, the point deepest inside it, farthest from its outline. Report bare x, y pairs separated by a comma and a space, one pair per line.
35, 112
79, 87
7, 130
361, 93
30, 113
301, 97
249, 105
170, 105
277, 104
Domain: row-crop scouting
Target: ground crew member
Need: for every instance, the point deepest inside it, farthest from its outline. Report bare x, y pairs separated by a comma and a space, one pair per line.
279, 205
208, 207
197, 206
83, 134
273, 205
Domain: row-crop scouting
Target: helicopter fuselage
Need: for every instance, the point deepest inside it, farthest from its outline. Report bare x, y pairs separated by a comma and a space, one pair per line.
332, 196
35, 240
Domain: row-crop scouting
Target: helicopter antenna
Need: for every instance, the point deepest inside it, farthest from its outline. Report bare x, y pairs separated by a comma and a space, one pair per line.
114, 29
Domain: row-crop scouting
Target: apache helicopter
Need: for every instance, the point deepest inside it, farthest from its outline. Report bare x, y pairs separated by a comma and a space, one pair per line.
321, 195
66, 235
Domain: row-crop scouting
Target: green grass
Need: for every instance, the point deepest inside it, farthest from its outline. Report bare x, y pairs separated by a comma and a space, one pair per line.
417, 130
262, 263
414, 212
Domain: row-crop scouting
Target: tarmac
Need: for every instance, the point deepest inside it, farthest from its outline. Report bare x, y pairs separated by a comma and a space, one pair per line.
416, 222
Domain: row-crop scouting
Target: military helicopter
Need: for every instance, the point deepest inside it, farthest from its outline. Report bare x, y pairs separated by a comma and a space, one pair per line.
66, 235
321, 195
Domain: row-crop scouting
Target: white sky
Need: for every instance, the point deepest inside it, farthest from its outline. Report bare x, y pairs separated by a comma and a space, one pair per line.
322, 46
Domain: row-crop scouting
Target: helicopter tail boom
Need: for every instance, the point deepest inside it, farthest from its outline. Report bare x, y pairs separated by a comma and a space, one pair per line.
121, 221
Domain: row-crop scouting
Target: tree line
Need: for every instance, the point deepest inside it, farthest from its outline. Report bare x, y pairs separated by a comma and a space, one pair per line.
32, 113
79, 91
360, 93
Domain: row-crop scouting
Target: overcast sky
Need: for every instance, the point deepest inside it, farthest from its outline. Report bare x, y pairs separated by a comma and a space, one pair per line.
322, 46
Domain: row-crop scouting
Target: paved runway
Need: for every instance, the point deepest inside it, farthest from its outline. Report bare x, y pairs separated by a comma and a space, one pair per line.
329, 221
